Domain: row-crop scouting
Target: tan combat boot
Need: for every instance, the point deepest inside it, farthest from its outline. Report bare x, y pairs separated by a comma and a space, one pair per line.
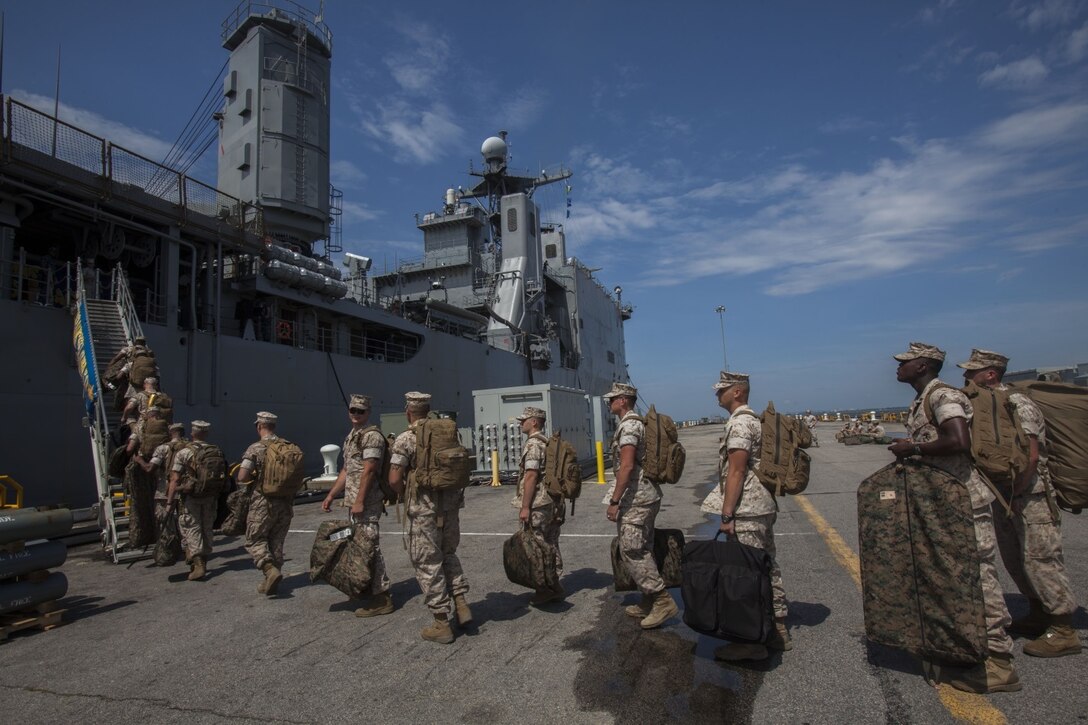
439, 631
378, 605
663, 608
780, 637
739, 651
464, 614
196, 569
272, 579
543, 596
1034, 623
995, 674
640, 610
1058, 640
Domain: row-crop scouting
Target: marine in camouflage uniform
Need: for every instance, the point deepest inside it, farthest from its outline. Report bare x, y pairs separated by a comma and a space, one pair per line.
634, 501
747, 508
161, 464
543, 512
196, 517
945, 442
269, 517
434, 532
1030, 540
364, 443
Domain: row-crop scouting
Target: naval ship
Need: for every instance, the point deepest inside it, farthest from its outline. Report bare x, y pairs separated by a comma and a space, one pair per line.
243, 289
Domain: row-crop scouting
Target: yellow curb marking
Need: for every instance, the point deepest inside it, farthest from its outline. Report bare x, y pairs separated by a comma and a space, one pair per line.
964, 706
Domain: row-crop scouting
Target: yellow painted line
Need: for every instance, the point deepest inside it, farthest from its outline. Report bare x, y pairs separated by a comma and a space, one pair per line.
963, 706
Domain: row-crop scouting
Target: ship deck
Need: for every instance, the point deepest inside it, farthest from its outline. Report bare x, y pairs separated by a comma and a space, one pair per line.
143, 644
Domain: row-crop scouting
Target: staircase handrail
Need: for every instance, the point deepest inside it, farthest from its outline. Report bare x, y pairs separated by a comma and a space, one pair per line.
100, 427
122, 295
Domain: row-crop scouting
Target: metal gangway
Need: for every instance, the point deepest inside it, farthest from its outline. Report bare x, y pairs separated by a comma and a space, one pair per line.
106, 325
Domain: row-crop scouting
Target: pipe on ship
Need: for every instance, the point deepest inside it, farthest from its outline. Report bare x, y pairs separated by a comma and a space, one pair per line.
44, 555
454, 311
22, 524
24, 594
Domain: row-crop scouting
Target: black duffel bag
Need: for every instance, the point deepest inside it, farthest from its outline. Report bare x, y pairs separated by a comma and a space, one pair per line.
727, 590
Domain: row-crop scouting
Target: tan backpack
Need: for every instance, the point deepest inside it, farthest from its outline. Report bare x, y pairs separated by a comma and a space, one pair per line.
783, 466
441, 461
283, 474
155, 432
998, 443
208, 470
665, 456
389, 496
562, 472
164, 403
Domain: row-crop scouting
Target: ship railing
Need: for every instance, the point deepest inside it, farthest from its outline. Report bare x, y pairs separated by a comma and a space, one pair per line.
285, 10
37, 279
123, 297
100, 427
37, 139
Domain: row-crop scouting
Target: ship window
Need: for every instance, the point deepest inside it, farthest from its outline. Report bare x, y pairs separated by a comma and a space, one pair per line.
550, 251
512, 220
611, 356
532, 224
581, 324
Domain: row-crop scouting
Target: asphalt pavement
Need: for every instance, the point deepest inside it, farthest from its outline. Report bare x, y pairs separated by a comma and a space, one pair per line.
142, 644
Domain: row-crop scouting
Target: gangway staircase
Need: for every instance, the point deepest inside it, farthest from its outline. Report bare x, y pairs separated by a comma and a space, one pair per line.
113, 324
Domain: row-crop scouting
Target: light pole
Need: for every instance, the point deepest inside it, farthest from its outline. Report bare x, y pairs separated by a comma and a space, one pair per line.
720, 309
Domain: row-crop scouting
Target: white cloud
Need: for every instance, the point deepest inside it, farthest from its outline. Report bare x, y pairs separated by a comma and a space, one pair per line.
345, 174
1038, 127
807, 230
356, 212
1077, 46
423, 135
522, 109
1018, 74
1045, 13
934, 13
125, 136
418, 67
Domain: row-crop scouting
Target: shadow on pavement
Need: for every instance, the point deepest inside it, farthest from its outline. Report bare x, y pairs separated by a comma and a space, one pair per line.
84, 607
582, 579
807, 614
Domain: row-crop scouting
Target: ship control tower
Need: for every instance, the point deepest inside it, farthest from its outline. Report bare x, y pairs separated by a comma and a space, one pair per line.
274, 124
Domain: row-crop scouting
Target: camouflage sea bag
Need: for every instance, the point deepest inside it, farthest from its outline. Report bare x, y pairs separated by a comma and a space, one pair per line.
1065, 409
168, 547
668, 555
342, 558
528, 561
238, 511
921, 590
140, 487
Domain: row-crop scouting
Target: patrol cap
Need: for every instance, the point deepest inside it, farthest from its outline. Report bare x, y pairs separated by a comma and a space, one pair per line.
920, 349
178, 426
531, 412
265, 417
151, 379
200, 425
728, 380
620, 390
984, 359
416, 398
140, 340
359, 401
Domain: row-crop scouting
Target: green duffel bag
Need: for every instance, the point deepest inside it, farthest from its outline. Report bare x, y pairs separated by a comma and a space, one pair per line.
342, 558
668, 552
530, 562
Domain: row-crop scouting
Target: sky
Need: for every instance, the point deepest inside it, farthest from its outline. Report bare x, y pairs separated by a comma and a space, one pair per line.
842, 177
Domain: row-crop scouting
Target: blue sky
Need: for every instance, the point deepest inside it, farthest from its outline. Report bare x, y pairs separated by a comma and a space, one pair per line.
844, 177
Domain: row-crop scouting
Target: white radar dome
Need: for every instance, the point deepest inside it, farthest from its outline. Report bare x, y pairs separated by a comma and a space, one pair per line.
494, 149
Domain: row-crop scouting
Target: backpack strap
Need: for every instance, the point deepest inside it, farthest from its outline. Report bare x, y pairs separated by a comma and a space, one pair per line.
927, 406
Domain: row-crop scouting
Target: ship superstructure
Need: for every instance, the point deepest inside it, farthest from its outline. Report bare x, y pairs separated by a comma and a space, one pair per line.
239, 289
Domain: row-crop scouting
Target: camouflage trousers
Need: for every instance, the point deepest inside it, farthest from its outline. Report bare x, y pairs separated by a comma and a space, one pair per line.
1031, 549
432, 549
545, 523
758, 531
266, 528
993, 597
195, 520
366, 526
635, 530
